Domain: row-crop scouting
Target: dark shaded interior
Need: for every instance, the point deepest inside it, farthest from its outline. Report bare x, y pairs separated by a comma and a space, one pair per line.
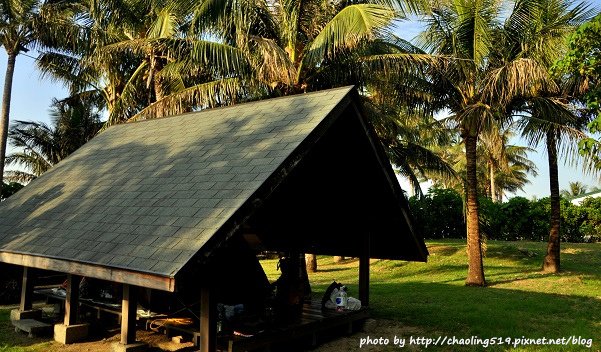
337, 201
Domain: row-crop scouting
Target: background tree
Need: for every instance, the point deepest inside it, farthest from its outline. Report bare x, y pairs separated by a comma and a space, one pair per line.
583, 61
574, 189
131, 61
551, 116
40, 146
27, 24
413, 140
507, 165
469, 85
8, 189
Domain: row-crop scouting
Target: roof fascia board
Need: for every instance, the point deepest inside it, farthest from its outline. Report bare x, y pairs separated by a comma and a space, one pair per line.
90, 270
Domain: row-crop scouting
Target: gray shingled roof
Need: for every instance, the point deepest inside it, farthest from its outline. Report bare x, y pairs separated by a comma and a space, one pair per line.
147, 196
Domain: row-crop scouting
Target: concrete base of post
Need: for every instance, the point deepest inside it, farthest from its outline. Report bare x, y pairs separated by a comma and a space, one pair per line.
17, 314
67, 334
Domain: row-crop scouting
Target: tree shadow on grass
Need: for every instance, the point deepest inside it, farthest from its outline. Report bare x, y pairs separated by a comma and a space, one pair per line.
488, 312
535, 274
445, 250
514, 251
330, 270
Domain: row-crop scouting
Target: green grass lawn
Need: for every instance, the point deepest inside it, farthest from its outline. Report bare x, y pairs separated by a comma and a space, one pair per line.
432, 300
520, 300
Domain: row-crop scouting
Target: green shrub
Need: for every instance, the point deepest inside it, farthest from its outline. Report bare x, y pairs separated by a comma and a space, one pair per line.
440, 215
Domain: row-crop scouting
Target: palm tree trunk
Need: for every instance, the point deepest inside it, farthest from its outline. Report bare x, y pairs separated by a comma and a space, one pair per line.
311, 261
551, 262
475, 272
493, 185
4, 117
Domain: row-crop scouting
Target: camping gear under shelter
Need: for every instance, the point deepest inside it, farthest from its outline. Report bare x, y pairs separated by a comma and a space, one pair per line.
146, 204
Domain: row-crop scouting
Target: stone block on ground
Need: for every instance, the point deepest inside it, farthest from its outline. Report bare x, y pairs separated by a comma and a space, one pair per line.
17, 314
32, 327
67, 334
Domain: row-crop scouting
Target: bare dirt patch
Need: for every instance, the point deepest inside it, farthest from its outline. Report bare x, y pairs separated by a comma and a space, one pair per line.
574, 250
156, 341
374, 328
159, 342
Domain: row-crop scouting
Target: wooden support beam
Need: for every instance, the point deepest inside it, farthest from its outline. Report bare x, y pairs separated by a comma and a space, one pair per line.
72, 300
364, 274
129, 307
27, 289
208, 321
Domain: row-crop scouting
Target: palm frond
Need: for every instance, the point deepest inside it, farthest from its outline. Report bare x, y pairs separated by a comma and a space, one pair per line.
165, 25
350, 26
19, 176
205, 95
521, 78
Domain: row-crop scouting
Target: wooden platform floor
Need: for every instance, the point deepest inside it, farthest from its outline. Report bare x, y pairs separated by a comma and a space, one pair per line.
308, 326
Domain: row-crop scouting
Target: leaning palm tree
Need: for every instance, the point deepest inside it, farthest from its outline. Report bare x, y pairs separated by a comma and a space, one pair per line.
27, 24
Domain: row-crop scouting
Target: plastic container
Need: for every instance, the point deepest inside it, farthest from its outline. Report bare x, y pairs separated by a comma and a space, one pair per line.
341, 299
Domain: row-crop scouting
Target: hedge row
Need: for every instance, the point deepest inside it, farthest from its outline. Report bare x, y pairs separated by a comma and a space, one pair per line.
440, 215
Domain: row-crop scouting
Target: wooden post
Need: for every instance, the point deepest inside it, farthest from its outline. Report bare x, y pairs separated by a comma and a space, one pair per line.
364, 274
129, 307
27, 289
72, 299
208, 321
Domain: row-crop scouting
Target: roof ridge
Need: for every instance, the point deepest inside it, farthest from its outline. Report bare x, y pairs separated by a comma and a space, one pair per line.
348, 88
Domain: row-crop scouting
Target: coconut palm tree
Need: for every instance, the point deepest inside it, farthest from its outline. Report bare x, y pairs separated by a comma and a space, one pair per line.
560, 129
485, 62
410, 139
291, 46
510, 167
574, 189
507, 165
550, 116
27, 24
40, 146
464, 32
130, 61
514, 175
298, 46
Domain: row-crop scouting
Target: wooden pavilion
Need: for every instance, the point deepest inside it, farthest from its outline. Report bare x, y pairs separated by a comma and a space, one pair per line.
146, 204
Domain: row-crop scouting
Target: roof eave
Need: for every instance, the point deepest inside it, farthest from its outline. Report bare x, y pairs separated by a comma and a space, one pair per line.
118, 275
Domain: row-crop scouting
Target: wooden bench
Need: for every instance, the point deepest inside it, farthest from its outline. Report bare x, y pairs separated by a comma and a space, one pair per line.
310, 324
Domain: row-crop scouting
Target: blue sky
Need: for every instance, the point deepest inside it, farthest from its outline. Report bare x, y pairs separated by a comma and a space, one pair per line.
32, 97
